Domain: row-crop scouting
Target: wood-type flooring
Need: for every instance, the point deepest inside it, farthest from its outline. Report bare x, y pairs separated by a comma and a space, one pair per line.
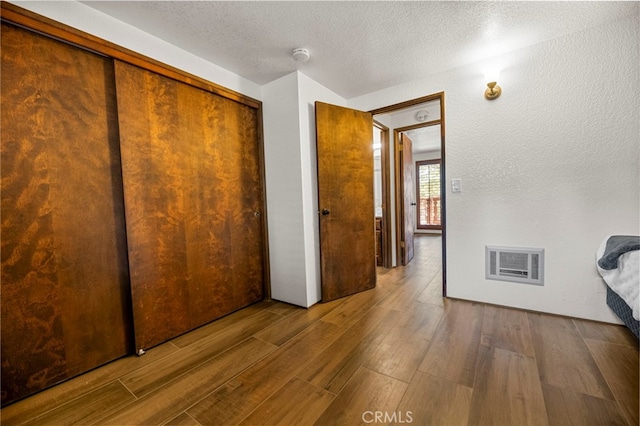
397, 354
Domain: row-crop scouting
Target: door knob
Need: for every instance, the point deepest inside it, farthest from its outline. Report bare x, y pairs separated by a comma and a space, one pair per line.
325, 212
413, 204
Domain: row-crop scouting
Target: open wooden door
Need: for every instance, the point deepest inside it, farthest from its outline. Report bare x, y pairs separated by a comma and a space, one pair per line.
344, 140
409, 198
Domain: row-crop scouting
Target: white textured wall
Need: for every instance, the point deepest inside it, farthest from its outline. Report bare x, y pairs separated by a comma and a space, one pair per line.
89, 20
427, 155
285, 203
553, 163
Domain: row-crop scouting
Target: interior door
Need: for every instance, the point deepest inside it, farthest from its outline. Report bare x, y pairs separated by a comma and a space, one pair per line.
344, 140
408, 198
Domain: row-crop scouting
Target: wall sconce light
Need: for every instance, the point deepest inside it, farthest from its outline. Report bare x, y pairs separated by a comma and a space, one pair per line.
493, 90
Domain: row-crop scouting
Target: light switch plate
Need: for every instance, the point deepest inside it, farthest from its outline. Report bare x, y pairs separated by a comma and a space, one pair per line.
455, 185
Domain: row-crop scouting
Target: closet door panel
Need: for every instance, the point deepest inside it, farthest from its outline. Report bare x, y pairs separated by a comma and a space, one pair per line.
247, 241
65, 290
206, 231
186, 203
153, 161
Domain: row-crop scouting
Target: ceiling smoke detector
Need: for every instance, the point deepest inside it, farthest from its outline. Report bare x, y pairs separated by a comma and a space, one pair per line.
422, 115
300, 55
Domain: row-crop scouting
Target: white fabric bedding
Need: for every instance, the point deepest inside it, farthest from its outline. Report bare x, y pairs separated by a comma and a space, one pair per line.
625, 279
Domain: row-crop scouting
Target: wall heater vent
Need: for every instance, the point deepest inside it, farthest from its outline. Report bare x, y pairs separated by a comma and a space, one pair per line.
515, 264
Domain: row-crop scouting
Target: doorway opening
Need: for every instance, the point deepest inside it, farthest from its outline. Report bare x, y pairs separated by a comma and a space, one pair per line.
419, 123
428, 188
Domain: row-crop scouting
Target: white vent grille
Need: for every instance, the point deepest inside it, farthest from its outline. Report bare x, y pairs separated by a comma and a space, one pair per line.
519, 265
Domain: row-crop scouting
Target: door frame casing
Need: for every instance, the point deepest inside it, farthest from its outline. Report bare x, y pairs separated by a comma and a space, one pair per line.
386, 193
440, 96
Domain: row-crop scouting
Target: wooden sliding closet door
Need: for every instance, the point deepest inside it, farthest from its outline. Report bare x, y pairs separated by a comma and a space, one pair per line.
65, 287
193, 197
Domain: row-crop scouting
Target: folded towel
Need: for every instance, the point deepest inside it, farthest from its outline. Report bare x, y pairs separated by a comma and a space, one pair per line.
617, 245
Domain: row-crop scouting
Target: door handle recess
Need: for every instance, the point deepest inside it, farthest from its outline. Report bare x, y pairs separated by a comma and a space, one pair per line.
325, 212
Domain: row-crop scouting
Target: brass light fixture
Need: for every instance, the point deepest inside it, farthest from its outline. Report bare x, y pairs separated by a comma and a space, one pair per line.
493, 91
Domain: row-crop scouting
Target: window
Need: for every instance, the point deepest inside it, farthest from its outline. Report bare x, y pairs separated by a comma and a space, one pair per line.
428, 182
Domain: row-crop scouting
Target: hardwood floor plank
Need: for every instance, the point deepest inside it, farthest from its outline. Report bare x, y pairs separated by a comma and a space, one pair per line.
293, 324
145, 380
405, 346
508, 329
432, 294
454, 347
65, 392
240, 396
367, 393
411, 283
183, 420
220, 324
563, 358
390, 276
332, 368
606, 332
619, 365
183, 392
355, 306
87, 408
431, 400
507, 390
298, 402
567, 407
284, 309
409, 290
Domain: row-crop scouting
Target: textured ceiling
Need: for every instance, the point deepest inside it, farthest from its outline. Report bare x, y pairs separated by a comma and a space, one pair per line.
357, 47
